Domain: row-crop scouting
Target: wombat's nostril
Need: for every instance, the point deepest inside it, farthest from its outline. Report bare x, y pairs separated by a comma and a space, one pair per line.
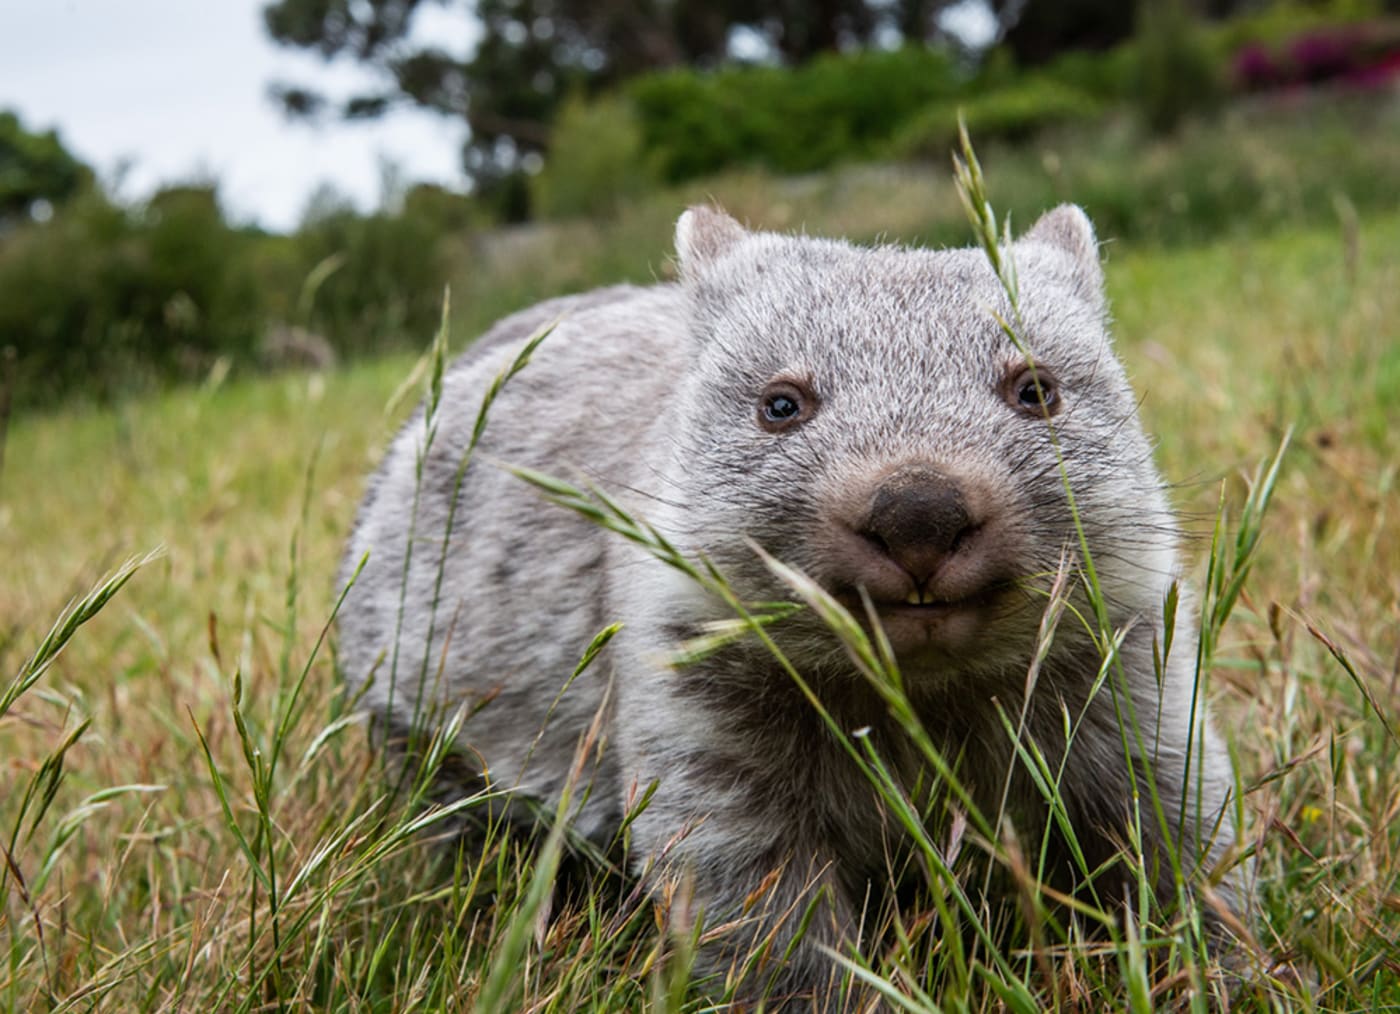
963, 536
876, 540
919, 517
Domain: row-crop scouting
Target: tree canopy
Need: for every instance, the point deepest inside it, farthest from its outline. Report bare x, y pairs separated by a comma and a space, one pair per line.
34, 167
531, 55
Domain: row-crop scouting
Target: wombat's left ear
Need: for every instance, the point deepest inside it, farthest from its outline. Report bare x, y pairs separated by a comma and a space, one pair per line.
1068, 229
704, 234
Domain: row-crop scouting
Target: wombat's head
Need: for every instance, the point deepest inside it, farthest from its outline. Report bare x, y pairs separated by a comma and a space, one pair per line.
863, 415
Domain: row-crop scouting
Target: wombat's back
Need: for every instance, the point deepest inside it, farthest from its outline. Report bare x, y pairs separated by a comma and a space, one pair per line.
495, 613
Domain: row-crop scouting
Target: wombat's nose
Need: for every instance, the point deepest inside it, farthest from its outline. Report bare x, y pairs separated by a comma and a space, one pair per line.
917, 517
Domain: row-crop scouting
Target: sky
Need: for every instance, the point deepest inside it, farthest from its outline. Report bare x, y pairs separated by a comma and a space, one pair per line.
177, 90
152, 92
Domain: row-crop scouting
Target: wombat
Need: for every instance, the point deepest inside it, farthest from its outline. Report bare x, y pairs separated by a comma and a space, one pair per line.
861, 415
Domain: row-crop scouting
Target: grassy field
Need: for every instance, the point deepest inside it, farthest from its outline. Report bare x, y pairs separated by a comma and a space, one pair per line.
192, 819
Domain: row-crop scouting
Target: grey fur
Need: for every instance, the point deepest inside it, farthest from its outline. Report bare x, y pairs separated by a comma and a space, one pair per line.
652, 393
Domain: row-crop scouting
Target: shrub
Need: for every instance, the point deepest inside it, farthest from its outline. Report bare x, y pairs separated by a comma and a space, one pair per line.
445, 210
1178, 71
596, 161
836, 107
1108, 77
102, 297
1012, 113
371, 280
35, 168
197, 285
1357, 55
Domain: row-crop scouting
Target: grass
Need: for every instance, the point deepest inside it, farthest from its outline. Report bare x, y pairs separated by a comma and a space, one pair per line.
192, 817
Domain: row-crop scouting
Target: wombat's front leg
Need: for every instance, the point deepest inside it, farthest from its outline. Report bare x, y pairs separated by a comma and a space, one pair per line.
738, 831
756, 884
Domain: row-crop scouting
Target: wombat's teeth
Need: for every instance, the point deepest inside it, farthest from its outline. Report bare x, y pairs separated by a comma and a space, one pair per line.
914, 598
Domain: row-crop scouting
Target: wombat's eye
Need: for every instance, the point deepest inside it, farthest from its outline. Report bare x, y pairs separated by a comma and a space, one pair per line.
783, 405
1034, 393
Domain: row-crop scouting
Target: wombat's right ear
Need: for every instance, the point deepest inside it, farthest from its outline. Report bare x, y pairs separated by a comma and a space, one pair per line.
1069, 230
703, 235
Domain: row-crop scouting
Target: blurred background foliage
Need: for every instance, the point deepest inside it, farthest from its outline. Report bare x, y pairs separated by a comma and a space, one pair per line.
1170, 122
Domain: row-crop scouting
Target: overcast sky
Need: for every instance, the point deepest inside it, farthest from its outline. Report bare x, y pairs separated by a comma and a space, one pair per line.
177, 89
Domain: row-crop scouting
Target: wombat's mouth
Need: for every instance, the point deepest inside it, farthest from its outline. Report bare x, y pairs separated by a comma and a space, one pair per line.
927, 626
921, 601
923, 620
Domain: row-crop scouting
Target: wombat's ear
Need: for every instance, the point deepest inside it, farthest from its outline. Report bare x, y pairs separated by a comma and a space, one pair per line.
703, 235
1068, 229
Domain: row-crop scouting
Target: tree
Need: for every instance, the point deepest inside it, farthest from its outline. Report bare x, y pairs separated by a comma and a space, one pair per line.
532, 54
1037, 31
35, 168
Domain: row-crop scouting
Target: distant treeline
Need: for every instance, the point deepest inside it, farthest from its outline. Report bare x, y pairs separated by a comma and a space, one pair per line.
680, 124
100, 298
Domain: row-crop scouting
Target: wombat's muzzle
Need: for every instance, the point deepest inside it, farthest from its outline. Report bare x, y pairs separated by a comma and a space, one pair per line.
920, 538
918, 517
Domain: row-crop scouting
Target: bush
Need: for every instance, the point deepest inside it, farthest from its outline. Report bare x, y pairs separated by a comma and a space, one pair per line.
1178, 72
1361, 56
1108, 77
35, 168
370, 280
836, 107
445, 210
1012, 113
102, 297
1274, 25
596, 162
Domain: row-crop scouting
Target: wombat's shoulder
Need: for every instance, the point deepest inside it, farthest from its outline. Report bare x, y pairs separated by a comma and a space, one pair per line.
595, 314
608, 346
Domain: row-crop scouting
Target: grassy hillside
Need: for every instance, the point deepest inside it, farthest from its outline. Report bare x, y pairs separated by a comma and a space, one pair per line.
1263, 165
215, 841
